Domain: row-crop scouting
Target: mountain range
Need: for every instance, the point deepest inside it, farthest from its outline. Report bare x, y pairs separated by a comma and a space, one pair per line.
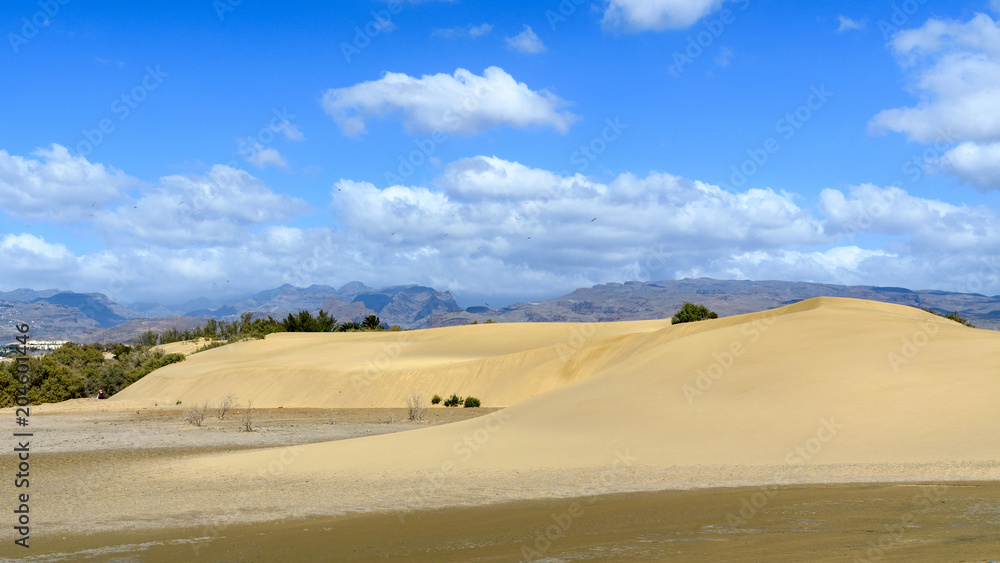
89, 317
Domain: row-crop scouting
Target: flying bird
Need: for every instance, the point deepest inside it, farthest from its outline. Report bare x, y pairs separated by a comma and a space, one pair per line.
594, 219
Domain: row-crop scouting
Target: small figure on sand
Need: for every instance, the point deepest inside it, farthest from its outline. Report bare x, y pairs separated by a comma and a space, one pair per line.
100, 394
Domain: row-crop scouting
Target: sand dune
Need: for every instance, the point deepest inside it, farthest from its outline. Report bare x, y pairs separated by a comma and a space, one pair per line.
825, 381
501, 364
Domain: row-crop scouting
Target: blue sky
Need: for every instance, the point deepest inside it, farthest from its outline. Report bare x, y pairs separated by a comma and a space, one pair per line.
502, 151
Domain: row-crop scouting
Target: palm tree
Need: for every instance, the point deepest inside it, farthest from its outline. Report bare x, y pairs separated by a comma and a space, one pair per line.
371, 322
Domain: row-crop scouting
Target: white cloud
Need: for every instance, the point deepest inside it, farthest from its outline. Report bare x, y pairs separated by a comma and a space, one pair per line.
975, 164
847, 24
291, 131
955, 68
957, 77
261, 157
216, 208
461, 103
32, 247
584, 232
59, 187
929, 225
526, 42
469, 232
485, 29
496, 204
472, 31
645, 15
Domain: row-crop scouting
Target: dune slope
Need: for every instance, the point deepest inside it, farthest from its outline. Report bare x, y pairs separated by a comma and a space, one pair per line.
501, 364
825, 381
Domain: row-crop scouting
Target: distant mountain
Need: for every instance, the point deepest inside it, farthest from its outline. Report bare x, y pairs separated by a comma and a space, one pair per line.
24, 295
89, 317
661, 299
95, 305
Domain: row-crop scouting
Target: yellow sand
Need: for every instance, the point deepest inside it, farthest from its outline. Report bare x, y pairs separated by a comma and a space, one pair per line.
183, 346
825, 381
501, 364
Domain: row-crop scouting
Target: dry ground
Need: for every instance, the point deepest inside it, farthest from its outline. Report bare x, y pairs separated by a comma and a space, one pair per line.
106, 491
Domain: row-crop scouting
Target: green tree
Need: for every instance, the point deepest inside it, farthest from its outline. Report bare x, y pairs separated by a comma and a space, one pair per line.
690, 312
147, 339
371, 322
305, 322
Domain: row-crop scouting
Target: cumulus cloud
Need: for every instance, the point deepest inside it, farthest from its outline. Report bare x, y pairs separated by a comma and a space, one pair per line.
461, 103
645, 15
975, 164
490, 226
955, 68
538, 218
30, 252
58, 186
218, 207
290, 130
847, 24
526, 42
260, 157
957, 77
510, 223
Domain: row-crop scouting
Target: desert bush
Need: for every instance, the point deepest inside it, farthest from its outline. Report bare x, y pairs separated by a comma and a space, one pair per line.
453, 401
953, 317
415, 406
196, 414
225, 405
247, 419
690, 312
435, 399
471, 402
210, 345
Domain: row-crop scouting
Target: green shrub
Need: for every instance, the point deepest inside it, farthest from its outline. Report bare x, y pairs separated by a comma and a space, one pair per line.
435, 399
471, 402
453, 401
210, 345
953, 317
75, 371
691, 313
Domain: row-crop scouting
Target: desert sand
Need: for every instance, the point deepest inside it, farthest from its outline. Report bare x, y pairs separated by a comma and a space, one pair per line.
826, 391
